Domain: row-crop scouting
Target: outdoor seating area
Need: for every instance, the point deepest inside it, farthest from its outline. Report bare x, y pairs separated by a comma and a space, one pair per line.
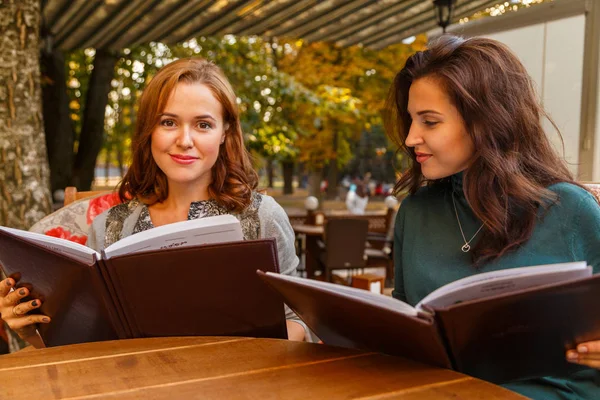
300, 199
347, 242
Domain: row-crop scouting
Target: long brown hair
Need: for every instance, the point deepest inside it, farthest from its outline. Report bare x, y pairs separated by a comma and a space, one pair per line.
233, 178
514, 162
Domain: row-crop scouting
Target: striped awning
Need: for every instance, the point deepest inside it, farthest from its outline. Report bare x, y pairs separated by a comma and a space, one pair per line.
116, 24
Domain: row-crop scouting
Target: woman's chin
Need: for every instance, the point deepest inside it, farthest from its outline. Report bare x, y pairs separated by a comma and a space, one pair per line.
434, 175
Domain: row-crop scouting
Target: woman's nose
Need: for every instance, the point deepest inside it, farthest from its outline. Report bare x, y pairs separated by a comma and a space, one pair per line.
414, 138
185, 137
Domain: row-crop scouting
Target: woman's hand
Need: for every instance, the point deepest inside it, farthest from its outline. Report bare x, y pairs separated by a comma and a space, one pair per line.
15, 312
587, 353
295, 331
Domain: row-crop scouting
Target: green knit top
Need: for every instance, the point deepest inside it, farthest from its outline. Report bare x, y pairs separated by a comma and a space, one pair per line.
427, 255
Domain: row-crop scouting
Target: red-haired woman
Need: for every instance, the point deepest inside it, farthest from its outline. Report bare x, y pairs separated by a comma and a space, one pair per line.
188, 161
486, 189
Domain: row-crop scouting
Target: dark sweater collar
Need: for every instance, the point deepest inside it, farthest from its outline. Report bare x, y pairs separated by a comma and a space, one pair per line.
456, 182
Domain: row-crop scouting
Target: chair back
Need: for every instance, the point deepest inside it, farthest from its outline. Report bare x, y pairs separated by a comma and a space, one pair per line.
72, 221
345, 243
593, 187
72, 194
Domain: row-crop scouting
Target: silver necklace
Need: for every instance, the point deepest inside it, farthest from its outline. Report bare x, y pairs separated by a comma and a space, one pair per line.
467, 246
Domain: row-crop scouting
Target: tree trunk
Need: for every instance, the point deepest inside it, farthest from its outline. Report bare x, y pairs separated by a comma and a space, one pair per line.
288, 177
301, 172
270, 173
24, 173
120, 159
107, 165
314, 184
57, 120
92, 130
332, 173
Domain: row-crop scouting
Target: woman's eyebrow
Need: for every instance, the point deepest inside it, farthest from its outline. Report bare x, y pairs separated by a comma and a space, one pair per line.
203, 116
428, 112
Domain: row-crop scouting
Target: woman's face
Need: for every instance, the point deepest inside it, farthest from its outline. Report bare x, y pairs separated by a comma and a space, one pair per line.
186, 141
437, 132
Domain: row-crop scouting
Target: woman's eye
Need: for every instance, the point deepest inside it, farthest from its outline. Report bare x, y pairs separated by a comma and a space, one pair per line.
167, 122
430, 123
204, 125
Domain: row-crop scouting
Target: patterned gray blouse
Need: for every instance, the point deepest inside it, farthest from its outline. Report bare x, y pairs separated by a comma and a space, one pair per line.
263, 218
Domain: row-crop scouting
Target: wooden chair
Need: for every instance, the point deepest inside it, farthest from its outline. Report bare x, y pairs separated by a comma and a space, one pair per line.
71, 194
344, 246
380, 246
594, 187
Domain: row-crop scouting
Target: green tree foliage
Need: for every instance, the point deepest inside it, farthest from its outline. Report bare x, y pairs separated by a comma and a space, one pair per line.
299, 102
354, 83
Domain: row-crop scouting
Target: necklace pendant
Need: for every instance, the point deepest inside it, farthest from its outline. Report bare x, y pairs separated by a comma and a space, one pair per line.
466, 248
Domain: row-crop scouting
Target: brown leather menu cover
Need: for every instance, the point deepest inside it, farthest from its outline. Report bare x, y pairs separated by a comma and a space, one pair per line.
355, 323
201, 290
72, 293
523, 334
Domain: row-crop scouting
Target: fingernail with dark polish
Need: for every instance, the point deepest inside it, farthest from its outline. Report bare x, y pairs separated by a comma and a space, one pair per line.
34, 303
46, 319
8, 283
22, 292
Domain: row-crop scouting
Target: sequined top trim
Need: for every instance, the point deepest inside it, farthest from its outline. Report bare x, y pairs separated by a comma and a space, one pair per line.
249, 218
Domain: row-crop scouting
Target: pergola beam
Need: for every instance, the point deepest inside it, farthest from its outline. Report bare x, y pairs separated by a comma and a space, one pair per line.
178, 16
327, 17
117, 24
218, 18
466, 11
77, 20
291, 12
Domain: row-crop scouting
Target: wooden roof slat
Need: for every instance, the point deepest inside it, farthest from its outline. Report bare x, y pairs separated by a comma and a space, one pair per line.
371, 31
263, 13
217, 17
52, 11
106, 13
138, 21
116, 24
291, 12
227, 27
59, 22
337, 20
315, 12
134, 14
162, 27
76, 20
337, 12
147, 22
423, 17
463, 10
346, 29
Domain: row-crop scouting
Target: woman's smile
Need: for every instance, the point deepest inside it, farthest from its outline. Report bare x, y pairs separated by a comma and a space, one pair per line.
183, 159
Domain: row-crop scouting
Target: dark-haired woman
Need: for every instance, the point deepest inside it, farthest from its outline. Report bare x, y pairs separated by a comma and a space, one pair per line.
189, 161
486, 189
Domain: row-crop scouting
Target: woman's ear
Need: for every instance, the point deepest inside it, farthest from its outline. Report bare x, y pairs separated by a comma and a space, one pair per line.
225, 129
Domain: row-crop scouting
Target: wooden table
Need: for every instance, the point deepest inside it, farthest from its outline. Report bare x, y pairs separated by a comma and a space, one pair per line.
227, 368
309, 230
